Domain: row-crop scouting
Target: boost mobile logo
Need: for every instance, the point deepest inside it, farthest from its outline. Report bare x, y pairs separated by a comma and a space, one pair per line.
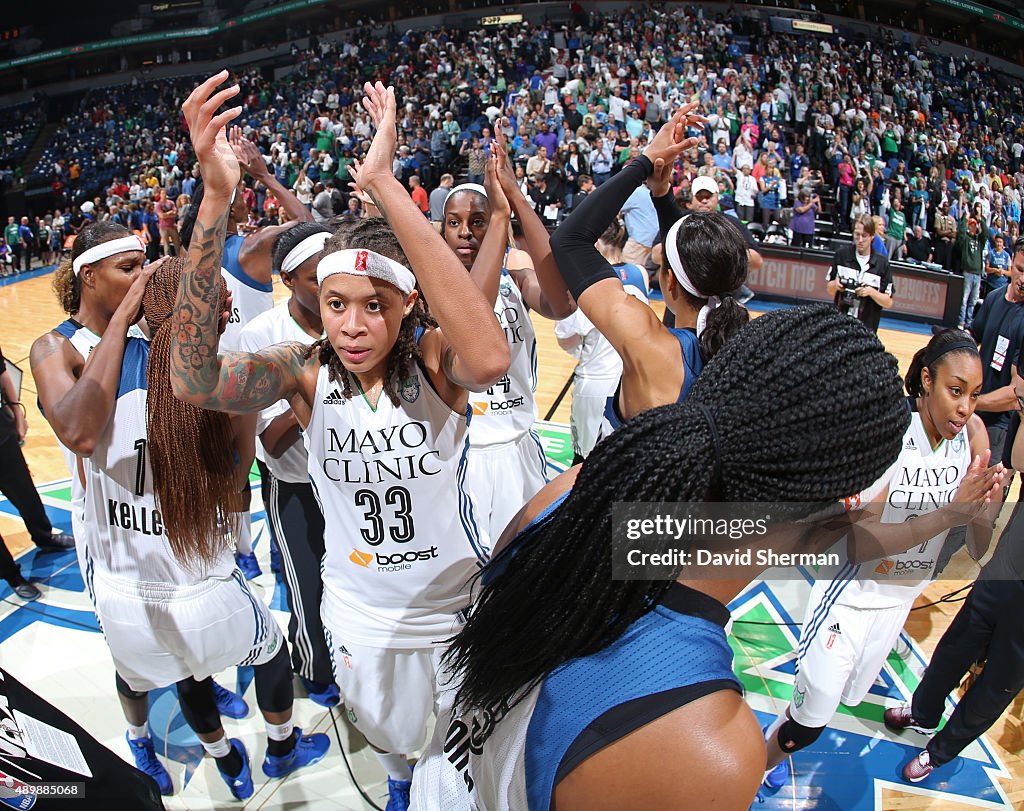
884, 567
363, 559
394, 562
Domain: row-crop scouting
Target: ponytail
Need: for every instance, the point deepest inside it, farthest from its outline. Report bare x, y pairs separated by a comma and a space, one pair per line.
728, 318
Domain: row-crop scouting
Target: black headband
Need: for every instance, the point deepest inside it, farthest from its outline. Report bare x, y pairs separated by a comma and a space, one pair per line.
959, 343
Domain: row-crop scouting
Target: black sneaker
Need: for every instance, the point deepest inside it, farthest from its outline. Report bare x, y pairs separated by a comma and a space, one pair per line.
58, 542
26, 591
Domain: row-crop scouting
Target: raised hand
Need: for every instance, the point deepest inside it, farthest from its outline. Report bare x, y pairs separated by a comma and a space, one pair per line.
496, 198
247, 153
670, 140
504, 173
217, 160
379, 102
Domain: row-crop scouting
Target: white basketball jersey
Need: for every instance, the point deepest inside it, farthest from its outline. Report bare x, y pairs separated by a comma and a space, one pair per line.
249, 297
475, 762
276, 326
922, 480
507, 410
596, 357
402, 538
126, 532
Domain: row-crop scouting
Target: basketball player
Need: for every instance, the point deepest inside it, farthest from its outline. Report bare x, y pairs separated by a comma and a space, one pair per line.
109, 260
506, 460
706, 261
248, 272
854, 618
598, 367
291, 503
384, 409
552, 707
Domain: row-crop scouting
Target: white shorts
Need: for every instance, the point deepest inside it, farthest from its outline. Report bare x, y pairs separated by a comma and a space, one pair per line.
842, 653
589, 398
504, 477
389, 693
161, 635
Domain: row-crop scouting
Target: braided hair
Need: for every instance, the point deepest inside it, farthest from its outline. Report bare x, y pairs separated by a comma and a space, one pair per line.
190, 449
775, 441
66, 283
374, 234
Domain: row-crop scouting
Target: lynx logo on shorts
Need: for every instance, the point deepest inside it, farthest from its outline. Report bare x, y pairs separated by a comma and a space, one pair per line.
798, 697
352, 716
411, 389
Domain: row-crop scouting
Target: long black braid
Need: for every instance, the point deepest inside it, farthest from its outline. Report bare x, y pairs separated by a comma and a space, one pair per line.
780, 393
374, 234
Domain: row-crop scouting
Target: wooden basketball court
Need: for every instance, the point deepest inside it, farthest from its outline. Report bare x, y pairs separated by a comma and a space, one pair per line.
28, 308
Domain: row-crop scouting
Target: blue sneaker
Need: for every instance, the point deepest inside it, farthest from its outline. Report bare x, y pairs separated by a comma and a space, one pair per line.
248, 565
326, 695
229, 704
778, 777
308, 749
398, 795
241, 786
147, 762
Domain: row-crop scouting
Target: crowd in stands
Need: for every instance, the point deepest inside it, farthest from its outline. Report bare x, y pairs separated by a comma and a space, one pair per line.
804, 134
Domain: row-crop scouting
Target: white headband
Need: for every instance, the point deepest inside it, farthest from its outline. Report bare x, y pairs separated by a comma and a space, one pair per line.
676, 264
366, 263
109, 248
466, 187
310, 246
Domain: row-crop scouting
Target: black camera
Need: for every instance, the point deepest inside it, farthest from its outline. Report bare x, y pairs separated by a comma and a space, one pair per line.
850, 285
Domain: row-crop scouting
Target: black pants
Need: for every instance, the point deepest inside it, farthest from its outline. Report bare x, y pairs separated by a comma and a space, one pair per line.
16, 484
990, 623
299, 527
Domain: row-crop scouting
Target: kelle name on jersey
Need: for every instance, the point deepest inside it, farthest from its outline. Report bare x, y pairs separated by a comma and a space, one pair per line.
127, 516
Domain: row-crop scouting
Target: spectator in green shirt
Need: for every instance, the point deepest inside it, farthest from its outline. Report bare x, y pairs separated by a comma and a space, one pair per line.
896, 230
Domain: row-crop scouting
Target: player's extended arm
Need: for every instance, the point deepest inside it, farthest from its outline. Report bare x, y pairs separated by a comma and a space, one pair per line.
552, 300
477, 353
238, 382
79, 409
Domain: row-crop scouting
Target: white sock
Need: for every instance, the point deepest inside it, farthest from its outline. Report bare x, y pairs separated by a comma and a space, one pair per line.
279, 732
396, 766
221, 748
243, 539
136, 732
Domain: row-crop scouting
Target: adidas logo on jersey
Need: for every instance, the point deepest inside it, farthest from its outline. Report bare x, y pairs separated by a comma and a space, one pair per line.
334, 398
910, 445
834, 629
833, 634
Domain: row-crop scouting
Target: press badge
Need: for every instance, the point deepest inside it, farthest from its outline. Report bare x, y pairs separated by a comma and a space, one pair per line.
999, 355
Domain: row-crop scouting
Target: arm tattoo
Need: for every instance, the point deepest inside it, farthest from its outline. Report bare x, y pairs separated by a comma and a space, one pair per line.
251, 382
194, 364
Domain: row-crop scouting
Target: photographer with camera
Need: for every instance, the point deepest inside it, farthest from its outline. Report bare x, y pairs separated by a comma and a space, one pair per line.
860, 279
